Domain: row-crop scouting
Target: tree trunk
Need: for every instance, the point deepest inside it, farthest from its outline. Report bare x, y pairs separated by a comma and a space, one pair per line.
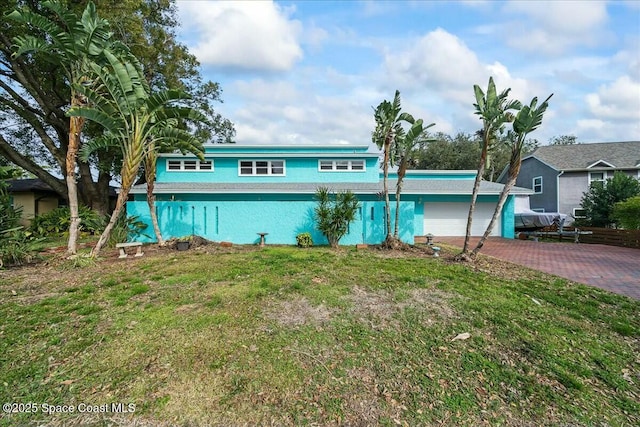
514, 170
130, 165
104, 237
385, 188
402, 170
150, 174
72, 187
474, 197
15, 157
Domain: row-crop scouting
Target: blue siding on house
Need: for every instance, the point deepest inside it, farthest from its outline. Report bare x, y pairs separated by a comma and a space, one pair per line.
239, 221
508, 218
298, 169
238, 217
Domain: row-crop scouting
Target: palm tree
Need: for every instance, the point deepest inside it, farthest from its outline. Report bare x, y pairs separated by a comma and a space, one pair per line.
150, 160
494, 111
135, 120
72, 44
388, 131
405, 151
528, 119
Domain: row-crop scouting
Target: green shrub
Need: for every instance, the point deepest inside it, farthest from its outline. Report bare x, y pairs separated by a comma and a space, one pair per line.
627, 213
17, 247
304, 240
57, 221
126, 229
333, 214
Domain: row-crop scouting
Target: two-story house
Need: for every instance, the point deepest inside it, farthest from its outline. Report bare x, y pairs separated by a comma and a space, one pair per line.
241, 190
559, 175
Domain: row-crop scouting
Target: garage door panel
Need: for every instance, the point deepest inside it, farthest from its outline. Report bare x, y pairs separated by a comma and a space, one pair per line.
450, 219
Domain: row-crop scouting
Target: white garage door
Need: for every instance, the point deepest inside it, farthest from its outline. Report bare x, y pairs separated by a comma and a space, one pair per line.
450, 219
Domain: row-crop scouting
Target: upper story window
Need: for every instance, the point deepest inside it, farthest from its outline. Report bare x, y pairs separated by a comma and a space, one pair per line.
262, 167
597, 177
341, 165
537, 185
189, 165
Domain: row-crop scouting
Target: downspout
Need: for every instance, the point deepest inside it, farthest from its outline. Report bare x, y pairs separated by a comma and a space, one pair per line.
558, 191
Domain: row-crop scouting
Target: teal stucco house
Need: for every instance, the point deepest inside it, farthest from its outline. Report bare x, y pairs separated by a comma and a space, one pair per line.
239, 191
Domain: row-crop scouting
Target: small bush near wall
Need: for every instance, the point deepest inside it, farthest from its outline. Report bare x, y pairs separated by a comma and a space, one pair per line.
304, 240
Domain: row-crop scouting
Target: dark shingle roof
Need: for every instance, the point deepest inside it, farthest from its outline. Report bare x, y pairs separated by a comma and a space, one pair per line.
412, 186
25, 185
621, 155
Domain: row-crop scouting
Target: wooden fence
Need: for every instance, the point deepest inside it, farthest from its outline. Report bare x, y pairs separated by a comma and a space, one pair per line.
611, 236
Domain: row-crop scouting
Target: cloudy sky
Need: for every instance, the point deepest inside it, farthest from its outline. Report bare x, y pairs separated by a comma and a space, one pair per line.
312, 71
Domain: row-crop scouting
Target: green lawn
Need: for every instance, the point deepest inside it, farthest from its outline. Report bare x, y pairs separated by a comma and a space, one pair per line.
288, 336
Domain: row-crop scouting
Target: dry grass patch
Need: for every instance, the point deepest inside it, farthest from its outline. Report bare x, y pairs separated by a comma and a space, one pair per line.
379, 308
297, 312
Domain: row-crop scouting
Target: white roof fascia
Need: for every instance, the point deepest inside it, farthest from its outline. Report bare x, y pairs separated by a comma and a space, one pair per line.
598, 162
210, 155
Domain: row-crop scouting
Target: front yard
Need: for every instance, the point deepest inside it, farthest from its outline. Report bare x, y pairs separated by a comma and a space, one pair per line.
288, 336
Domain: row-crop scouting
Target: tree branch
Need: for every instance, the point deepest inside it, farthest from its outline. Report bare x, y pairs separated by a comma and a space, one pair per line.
26, 163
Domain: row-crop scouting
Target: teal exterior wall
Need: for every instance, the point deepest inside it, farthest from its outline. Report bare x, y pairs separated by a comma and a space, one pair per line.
239, 221
239, 217
508, 218
301, 164
296, 170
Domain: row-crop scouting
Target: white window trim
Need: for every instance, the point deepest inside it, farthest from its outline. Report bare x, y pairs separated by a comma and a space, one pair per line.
269, 167
334, 167
539, 210
604, 177
182, 168
533, 185
578, 209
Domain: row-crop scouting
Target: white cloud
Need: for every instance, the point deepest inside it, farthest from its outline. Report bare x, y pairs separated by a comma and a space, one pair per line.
443, 67
243, 35
552, 27
283, 112
439, 59
618, 101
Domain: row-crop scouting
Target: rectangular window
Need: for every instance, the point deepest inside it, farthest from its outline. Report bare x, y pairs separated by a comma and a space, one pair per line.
597, 177
262, 167
326, 165
174, 165
189, 165
357, 165
537, 185
579, 213
340, 165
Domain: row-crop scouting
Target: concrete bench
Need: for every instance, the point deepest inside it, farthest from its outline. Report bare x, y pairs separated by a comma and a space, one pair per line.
122, 247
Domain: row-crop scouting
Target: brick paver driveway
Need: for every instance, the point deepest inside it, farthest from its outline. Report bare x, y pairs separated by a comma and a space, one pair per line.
607, 267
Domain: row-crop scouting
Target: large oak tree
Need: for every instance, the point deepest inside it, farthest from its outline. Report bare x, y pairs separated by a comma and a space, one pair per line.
34, 94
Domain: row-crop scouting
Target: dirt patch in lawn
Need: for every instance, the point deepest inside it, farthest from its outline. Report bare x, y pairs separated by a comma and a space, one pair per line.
297, 312
380, 308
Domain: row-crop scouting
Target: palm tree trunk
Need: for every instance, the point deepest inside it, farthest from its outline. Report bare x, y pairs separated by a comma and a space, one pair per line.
150, 175
474, 197
514, 170
402, 170
104, 237
130, 166
75, 127
387, 147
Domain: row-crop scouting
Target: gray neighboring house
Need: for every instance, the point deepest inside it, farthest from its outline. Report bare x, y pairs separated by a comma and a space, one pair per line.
559, 175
